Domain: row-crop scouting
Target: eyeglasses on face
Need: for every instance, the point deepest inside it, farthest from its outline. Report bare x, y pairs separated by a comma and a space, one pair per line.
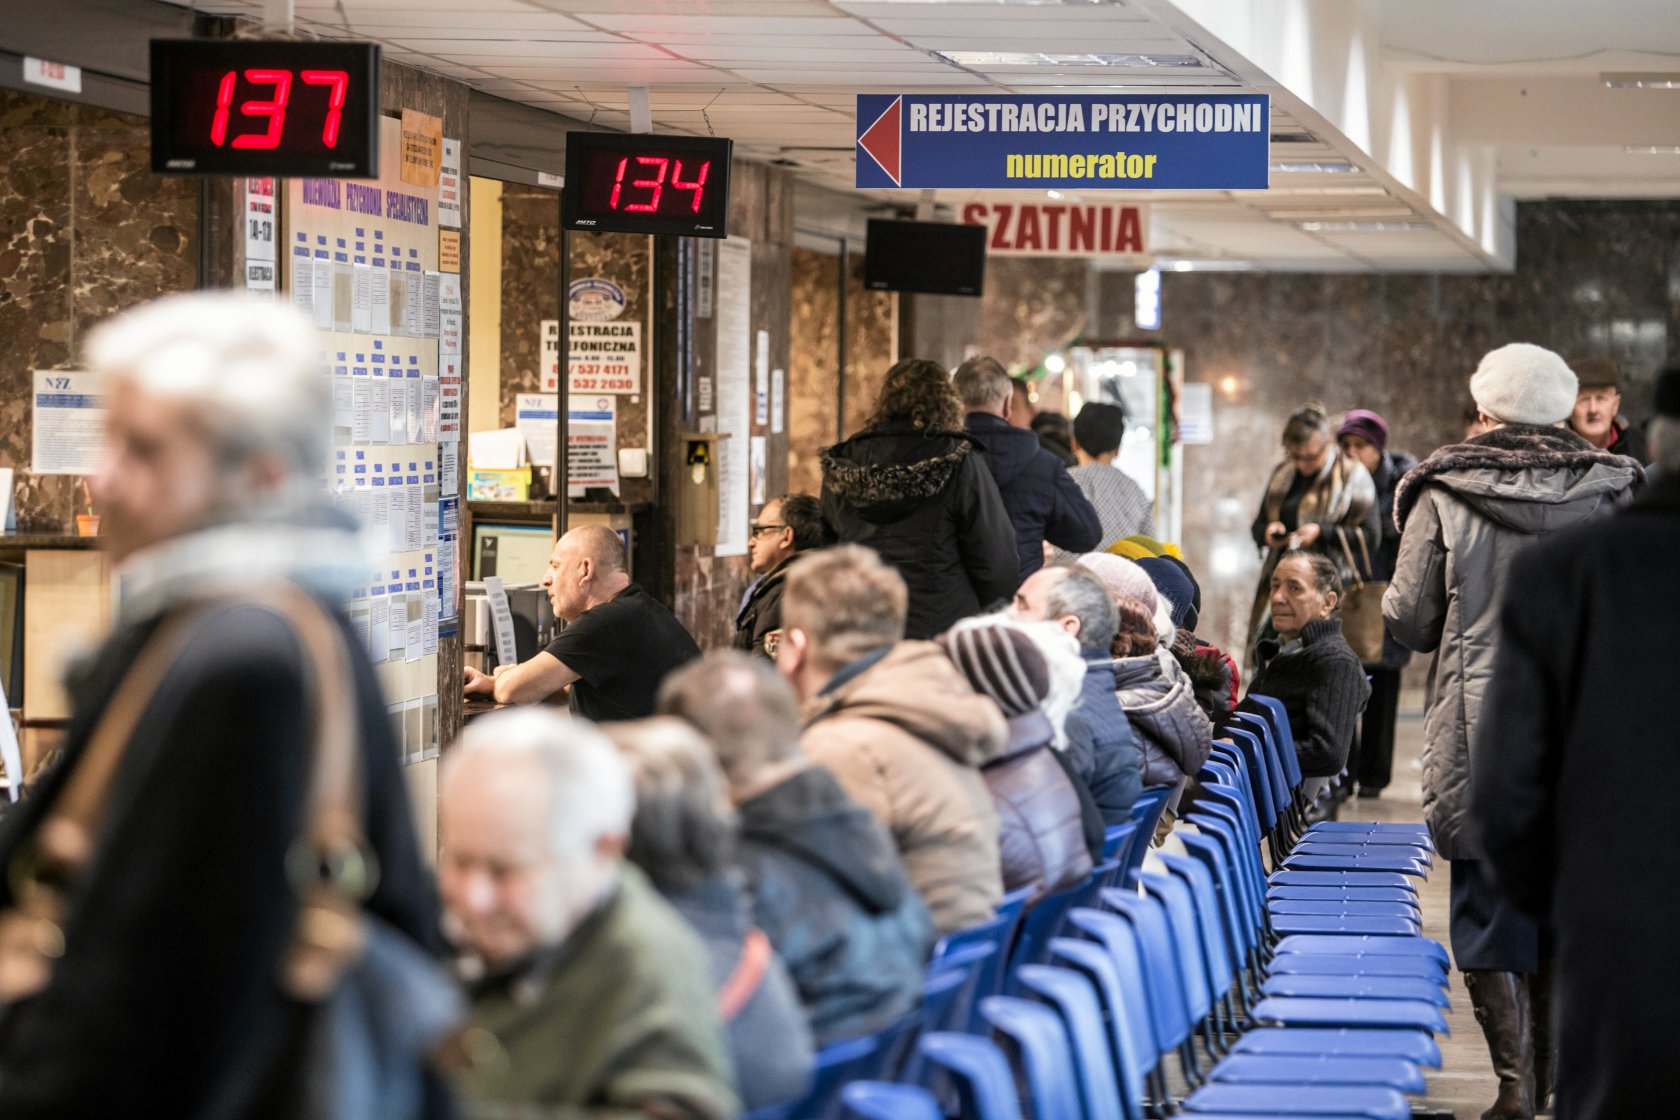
758, 528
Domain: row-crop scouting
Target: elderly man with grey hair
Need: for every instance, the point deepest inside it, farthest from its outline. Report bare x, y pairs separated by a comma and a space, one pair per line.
156, 852
1043, 500
1101, 746
590, 995
827, 885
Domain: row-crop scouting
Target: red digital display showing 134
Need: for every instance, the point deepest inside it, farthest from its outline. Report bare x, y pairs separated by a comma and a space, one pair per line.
646, 184
261, 108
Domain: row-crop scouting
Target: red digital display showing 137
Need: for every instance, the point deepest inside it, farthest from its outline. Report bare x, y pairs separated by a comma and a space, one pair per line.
647, 184
260, 108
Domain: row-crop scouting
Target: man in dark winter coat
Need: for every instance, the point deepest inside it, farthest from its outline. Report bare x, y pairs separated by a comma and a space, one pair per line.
1101, 744
167, 999
914, 489
786, 526
1043, 501
1573, 789
1465, 513
829, 890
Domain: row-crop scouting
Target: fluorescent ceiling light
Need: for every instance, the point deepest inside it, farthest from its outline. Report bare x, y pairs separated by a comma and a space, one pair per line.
1340, 213
1035, 58
1276, 193
1314, 167
1640, 81
1363, 227
1652, 150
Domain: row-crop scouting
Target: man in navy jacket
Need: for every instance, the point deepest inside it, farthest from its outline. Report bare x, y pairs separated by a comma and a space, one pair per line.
1043, 501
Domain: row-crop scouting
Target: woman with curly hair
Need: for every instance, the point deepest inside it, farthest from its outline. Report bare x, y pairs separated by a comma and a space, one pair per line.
910, 487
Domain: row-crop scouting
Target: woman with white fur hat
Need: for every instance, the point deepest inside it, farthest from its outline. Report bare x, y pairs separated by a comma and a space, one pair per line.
1464, 513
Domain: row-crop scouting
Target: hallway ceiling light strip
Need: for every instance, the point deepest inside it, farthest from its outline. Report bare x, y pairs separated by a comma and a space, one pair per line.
1640, 81
1036, 58
1363, 227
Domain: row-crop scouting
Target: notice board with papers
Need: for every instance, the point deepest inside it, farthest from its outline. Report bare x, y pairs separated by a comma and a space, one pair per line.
362, 259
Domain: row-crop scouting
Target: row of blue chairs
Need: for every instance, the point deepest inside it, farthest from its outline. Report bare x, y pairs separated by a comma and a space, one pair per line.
1305, 990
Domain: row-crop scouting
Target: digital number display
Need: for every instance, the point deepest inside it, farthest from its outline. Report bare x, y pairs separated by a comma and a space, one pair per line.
265, 108
646, 184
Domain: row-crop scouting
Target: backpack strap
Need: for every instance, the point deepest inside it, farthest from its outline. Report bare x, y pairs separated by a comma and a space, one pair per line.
748, 973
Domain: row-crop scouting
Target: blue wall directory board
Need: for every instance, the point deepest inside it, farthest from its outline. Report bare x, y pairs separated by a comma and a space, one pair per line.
1156, 141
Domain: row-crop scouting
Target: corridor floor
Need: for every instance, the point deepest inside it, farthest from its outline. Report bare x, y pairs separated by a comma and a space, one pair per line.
1465, 1084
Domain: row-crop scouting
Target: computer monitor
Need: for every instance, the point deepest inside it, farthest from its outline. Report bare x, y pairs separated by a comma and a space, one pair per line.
516, 553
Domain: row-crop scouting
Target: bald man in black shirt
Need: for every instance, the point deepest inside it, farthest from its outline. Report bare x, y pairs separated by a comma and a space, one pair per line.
618, 643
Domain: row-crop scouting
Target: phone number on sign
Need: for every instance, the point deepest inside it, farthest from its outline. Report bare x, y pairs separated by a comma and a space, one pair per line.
621, 383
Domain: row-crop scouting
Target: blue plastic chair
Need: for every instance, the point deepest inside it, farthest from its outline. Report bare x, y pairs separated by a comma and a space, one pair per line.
961, 945
1146, 811
1367, 946
1306, 985
985, 1085
1041, 922
1265, 1069
1289, 1100
880, 1100
834, 1065
1074, 999
1041, 1045
1132, 1048
1305, 1042
1388, 1014
1117, 841
1011, 904
1334, 964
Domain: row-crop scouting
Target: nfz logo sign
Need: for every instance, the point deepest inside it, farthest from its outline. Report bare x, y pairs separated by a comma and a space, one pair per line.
58, 382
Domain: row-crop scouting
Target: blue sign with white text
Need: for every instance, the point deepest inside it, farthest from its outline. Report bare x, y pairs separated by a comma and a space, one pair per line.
1153, 141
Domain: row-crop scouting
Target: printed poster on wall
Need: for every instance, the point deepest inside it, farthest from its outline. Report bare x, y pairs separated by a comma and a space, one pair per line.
591, 435
548, 357
734, 391
69, 418
605, 358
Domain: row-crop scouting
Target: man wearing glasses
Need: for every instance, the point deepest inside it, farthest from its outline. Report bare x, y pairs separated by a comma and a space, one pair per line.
786, 526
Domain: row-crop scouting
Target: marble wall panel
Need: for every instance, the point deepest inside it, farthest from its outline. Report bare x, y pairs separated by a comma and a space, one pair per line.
85, 231
530, 287
816, 380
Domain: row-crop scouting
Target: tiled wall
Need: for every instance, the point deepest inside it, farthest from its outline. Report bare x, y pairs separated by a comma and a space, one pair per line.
85, 230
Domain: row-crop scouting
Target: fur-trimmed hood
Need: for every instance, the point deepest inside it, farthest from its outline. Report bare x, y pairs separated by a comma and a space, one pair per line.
889, 470
1533, 479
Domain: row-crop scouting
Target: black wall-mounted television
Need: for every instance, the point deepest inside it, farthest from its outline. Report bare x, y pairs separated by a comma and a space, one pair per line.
939, 258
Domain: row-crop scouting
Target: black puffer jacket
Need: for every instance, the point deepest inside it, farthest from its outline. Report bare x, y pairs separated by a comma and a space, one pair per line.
830, 893
927, 504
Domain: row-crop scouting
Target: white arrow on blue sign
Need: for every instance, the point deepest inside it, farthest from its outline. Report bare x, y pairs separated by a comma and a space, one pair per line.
1157, 141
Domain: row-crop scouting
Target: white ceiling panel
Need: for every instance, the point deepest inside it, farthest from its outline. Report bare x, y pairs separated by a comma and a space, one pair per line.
814, 25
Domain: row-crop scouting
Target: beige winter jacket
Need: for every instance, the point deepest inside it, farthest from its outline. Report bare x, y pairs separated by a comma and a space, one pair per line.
907, 738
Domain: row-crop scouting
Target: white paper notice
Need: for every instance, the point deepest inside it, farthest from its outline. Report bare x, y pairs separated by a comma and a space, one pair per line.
449, 334
303, 285
449, 185
379, 302
361, 405
69, 422
414, 316
379, 408
778, 401
361, 298
537, 415
591, 433
429, 327
259, 220
323, 299
761, 379
449, 292
1195, 413
501, 620
379, 628
756, 470
415, 407
344, 296
734, 403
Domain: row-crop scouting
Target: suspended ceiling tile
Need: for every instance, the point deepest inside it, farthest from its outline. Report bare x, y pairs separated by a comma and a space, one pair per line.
886, 54
814, 25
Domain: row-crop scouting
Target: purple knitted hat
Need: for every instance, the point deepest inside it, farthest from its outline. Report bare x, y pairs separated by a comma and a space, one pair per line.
1368, 426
